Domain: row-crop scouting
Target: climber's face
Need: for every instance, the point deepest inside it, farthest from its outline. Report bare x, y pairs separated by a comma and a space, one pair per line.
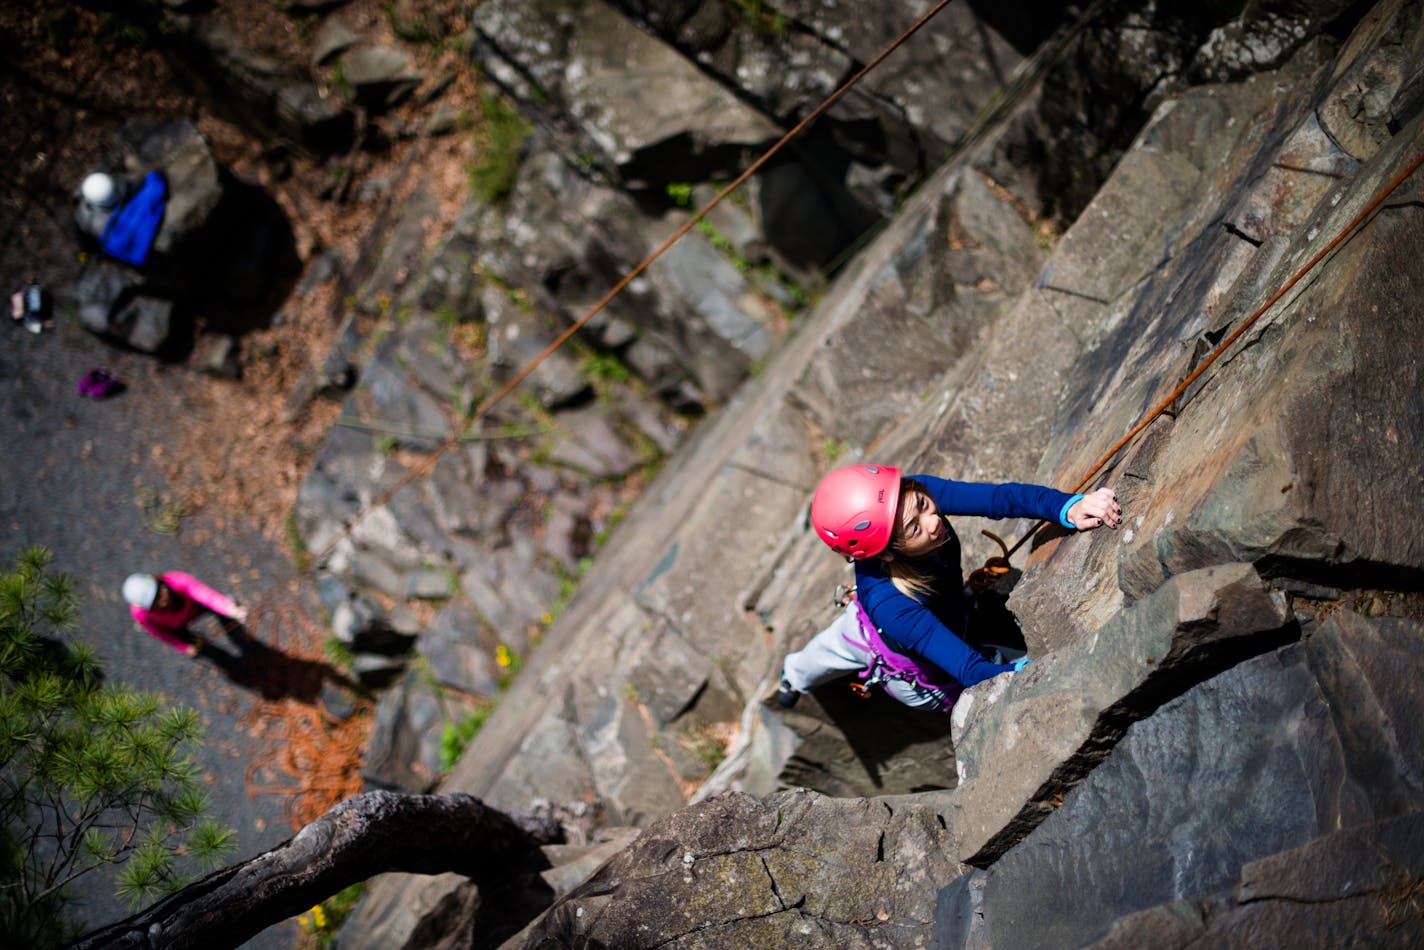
920, 528
164, 598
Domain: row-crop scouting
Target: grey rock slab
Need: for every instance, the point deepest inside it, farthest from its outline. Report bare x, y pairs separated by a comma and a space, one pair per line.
631, 779
399, 256
625, 91
469, 500
332, 37
668, 677
403, 753
1020, 737
516, 337
793, 869
587, 441
455, 650
377, 65
727, 302
409, 908
1102, 255
510, 591
1311, 162
754, 488
549, 766
1242, 782
390, 400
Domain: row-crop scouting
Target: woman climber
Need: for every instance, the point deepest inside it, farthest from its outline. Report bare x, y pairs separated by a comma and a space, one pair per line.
909, 598
164, 606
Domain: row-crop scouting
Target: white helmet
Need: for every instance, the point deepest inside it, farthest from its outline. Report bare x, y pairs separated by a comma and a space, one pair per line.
99, 190
140, 590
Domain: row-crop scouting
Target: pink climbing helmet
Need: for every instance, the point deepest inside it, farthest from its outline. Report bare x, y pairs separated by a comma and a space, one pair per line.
853, 509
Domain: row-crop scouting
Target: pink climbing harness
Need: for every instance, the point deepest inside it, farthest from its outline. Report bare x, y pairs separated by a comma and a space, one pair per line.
888, 664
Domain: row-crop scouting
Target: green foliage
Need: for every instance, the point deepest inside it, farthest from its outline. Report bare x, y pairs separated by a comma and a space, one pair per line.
509, 663
456, 735
301, 554
761, 17
704, 744
326, 918
162, 512
338, 652
90, 774
605, 368
680, 192
120, 32
492, 175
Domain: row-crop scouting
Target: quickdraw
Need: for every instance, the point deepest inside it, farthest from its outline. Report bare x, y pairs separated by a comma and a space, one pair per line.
994, 568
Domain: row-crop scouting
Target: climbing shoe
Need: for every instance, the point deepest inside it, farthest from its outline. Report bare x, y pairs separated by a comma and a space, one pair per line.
786, 696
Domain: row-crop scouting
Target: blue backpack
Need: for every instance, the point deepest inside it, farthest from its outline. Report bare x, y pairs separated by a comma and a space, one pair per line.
131, 229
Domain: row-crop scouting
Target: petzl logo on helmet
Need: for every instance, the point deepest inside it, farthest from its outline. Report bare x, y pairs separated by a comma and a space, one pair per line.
880, 496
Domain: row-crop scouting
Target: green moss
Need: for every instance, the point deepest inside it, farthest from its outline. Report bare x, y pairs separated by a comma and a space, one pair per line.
493, 174
459, 734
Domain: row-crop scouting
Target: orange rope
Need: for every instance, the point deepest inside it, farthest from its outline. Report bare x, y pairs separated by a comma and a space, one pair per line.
428, 464
1250, 321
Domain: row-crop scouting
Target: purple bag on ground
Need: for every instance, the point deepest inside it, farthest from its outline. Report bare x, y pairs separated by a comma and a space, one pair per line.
99, 384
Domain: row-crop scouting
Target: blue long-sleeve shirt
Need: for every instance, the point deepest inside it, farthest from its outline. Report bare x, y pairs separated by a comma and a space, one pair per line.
927, 630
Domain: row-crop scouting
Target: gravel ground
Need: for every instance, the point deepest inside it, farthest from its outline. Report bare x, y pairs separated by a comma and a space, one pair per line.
104, 485
75, 472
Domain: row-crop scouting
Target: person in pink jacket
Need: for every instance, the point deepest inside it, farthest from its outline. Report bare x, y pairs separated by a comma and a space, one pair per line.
165, 605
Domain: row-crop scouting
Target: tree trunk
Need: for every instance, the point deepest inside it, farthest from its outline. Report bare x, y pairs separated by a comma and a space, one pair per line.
369, 834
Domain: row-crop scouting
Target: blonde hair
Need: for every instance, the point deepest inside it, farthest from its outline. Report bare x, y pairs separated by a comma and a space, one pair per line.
908, 579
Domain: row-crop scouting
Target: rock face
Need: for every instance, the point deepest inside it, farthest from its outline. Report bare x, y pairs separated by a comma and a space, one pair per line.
1269, 758
736, 871
1210, 739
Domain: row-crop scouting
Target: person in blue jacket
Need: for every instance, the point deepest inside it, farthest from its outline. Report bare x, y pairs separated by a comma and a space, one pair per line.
912, 602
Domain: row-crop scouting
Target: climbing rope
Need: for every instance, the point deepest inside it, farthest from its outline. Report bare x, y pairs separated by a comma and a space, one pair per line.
996, 566
427, 464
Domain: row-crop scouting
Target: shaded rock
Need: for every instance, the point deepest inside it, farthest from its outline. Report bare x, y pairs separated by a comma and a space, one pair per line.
333, 37
1281, 751
376, 671
380, 76
1017, 739
404, 750
314, 120
413, 910
219, 355
1344, 888
143, 322
458, 659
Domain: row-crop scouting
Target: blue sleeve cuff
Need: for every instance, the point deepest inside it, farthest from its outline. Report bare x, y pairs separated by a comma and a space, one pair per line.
1063, 512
